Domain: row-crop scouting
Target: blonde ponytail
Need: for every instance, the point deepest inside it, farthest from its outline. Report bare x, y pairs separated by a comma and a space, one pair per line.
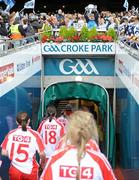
81, 128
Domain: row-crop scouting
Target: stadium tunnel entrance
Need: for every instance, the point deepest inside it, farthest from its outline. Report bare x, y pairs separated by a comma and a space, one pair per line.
95, 98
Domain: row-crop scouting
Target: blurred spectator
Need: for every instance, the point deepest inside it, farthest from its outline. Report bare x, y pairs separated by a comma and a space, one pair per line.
91, 21
34, 22
69, 20
136, 26
3, 29
101, 24
17, 30
111, 23
29, 31
60, 18
44, 21
54, 22
81, 21
123, 26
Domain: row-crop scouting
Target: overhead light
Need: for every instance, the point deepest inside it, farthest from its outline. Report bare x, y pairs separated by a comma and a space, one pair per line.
78, 78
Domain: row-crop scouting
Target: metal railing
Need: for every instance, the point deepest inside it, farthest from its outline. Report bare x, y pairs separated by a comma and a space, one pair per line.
128, 47
7, 45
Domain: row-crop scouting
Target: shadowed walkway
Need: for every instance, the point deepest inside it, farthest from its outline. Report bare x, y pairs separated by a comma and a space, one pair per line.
127, 174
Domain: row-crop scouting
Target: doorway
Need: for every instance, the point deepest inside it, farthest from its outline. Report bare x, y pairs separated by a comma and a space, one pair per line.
81, 93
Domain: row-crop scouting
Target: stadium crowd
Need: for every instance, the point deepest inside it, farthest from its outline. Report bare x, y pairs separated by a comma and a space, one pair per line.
18, 25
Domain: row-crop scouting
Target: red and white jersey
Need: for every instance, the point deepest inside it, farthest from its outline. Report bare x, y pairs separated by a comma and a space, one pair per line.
62, 120
51, 132
63, 165
21, 147
92, 145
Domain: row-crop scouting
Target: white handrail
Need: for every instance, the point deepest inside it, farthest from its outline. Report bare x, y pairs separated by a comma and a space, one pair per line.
8, 45
130, 50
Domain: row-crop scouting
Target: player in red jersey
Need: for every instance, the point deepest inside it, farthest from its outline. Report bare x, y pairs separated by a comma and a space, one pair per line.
51, 131
64, 115
76, 161
62, 119
20, 145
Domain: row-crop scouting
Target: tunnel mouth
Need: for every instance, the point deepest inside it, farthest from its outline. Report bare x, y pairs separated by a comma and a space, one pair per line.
86, 92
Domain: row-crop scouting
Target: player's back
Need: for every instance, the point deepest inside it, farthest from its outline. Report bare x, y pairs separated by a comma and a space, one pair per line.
63, 165
21, 147
51, 132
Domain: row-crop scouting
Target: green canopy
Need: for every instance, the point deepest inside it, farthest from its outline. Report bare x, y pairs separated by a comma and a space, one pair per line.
86, 91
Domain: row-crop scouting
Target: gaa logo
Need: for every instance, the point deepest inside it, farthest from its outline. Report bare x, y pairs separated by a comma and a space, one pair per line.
77, 66
70, 172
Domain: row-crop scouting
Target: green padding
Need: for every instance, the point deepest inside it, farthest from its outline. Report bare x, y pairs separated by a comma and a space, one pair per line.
86, 91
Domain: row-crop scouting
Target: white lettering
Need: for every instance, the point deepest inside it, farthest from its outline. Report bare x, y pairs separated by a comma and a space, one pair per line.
79, 48
64, 170
68, 66
72, 172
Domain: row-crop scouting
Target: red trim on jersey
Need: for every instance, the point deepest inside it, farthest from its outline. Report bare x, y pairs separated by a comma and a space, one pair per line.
59, 123
59, 144
47, 175
40, 126
62, 130
103, 164
38, 139
35, 164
